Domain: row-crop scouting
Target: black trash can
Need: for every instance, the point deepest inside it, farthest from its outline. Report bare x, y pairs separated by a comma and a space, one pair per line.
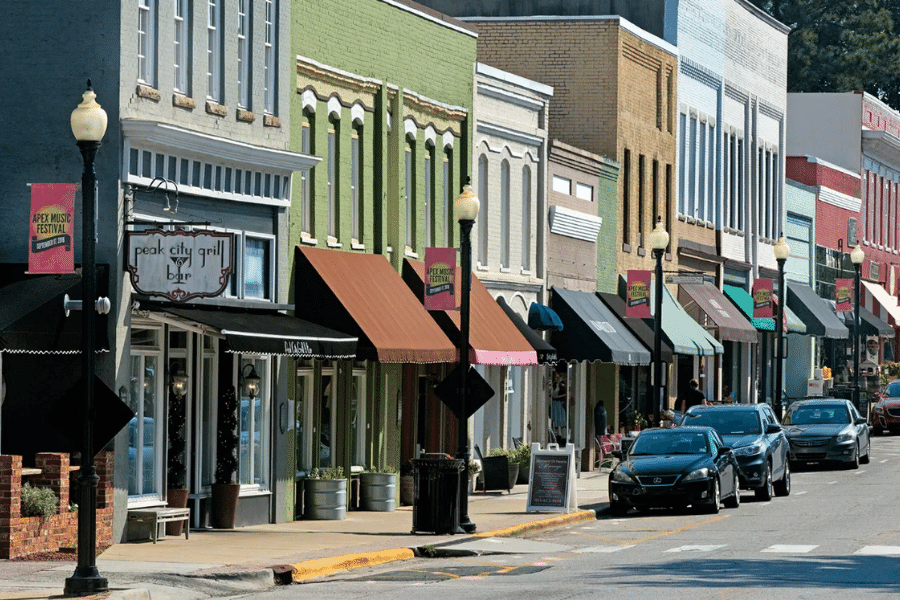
436, 496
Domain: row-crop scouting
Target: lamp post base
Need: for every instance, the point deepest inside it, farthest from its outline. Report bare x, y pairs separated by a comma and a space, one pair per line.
85, 581
468, 527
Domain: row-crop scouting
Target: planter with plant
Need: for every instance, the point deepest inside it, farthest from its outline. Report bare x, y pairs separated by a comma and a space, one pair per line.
177, 492
225, 492
522, 455
37, 501
378, 489
501, 471
325, 494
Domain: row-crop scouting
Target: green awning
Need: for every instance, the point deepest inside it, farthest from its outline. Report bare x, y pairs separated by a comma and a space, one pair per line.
683, 333
743, 300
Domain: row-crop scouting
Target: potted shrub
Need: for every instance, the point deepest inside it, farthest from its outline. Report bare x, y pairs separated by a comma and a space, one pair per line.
500, 472
325, 494
177, 492
472, 470
407, 484
378, 489
522, 455
225, 491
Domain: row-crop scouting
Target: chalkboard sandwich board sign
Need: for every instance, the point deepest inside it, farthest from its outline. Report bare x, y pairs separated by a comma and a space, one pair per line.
551, 484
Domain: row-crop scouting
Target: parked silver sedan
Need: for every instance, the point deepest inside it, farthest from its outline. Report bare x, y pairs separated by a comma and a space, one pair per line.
827, 429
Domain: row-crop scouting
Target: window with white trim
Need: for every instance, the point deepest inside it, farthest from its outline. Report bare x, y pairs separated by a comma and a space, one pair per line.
562, 185
483, 211
584, 191
429, 200
147, 42
409, 195
253, 273
214, 50
208, 408
182, 47
270, 64
504, 214
146, 429
253, 416
526, 218
332, 183
448, 203
305, 203
355, 208
244, 41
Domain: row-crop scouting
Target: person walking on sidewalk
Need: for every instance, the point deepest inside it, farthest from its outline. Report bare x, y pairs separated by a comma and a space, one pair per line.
693, 397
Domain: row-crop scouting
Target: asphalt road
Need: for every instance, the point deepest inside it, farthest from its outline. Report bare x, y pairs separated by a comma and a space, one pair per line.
836, 534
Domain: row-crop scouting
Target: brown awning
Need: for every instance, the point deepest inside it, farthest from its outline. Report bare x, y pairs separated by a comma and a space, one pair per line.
493, 338
363, 295
725, 316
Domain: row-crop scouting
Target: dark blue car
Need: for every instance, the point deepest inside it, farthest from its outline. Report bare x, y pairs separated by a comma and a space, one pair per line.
758, 442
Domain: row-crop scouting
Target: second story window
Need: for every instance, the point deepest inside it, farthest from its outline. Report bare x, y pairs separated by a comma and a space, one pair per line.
410, 198
504, 215
429, 201
526, 218
332, 183
355, 208
483, 213
214, 50
147, 42
305, 208
243, 54
252, 277
270, 58
182, 47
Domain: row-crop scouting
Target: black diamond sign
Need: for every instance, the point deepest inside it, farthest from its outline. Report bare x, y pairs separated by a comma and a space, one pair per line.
479, 391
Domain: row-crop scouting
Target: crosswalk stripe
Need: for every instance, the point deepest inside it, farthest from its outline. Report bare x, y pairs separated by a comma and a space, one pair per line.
799, 493
603, 549
879, 550
786, 548
709, 548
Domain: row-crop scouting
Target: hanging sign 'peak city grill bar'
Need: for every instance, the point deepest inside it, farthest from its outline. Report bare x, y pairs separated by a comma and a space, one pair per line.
180, 265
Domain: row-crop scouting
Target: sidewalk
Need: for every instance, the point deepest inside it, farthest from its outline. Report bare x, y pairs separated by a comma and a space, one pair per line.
215, 561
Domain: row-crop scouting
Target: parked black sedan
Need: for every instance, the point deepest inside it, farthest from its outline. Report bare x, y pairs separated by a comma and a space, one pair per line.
760, 446
674, 468
827, 429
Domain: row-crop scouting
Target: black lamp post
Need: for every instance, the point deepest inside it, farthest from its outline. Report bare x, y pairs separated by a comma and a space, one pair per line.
88, 126
659, 241
856, 257
466, 208
781, 250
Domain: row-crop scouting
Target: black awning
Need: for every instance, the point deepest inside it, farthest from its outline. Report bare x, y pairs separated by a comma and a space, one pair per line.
814, 312
637, 326
271, 333
33, 321
593, 332
545, 352
869, 324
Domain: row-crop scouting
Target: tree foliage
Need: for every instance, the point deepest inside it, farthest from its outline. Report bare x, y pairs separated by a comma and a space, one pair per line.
841, 45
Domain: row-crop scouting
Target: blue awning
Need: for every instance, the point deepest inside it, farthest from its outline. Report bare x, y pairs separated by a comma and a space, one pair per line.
543, 318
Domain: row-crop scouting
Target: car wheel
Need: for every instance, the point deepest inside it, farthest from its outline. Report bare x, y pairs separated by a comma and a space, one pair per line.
734, 500
783, 486
713, 506
854, 462
766, 490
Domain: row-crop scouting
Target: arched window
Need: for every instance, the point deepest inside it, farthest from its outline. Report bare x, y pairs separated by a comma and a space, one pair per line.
483, 214
526, 218
504, 214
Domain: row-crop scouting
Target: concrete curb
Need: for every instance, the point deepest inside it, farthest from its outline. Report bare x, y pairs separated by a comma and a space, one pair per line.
302, 571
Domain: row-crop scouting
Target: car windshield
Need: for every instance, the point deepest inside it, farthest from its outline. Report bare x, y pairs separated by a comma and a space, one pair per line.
818, 415
670, 442
893, 389
728, 422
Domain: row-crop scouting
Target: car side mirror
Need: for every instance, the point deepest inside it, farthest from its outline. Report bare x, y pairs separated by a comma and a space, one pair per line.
773, 428
617, 454
724, 450
860, 420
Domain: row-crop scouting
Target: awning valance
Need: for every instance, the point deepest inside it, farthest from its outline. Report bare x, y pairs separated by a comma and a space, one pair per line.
813, 311
592, 332
545, 352
270, 333
493, 339
638, 327
715, 307
33, 321
363, 295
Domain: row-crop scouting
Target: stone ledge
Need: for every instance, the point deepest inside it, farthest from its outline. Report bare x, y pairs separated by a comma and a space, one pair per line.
271, 121
245, 116
145, 91
214, 108
182, 101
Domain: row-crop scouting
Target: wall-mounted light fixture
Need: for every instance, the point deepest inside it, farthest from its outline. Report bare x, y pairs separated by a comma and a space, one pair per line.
179, 383
250, 381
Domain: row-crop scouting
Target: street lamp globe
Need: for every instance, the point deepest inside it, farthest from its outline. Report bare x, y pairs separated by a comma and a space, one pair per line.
659, 237
466, 205
88, 119
857, 255
781, 249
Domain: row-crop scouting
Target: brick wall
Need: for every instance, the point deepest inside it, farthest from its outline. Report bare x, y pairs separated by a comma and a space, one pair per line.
20, 536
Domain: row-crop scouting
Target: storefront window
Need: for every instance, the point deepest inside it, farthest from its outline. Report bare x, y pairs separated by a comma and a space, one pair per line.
358, 418
145, 430
252, 421
208, 413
